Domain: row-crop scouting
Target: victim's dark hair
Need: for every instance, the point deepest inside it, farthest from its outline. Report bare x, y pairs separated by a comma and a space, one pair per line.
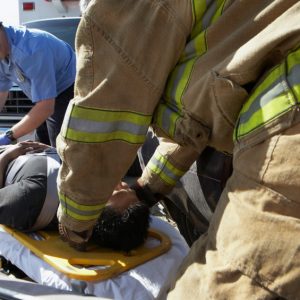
122, 230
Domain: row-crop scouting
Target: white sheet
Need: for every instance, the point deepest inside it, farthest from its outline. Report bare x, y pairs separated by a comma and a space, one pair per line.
143, 282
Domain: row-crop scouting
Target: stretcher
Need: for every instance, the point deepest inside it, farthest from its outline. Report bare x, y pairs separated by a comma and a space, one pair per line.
96, 263
143, 281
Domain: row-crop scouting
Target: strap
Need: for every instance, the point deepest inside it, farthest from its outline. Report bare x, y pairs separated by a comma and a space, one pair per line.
13, 168
51, 202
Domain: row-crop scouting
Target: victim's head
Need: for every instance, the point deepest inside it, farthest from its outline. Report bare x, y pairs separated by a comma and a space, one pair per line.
124, 222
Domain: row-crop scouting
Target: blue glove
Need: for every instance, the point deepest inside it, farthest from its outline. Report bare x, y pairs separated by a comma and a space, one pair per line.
4, 139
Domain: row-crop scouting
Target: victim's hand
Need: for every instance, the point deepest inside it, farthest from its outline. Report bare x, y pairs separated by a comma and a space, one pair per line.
21, 148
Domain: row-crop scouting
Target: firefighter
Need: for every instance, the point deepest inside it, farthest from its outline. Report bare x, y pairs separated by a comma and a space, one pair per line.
44, 68
223, 74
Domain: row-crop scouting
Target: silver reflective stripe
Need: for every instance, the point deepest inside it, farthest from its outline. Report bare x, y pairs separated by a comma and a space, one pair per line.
209, 14
294, 77
92, 125
178, 77
69, 208
166, 121
160, 165
275, 89
51, 202
13, 171
84, 125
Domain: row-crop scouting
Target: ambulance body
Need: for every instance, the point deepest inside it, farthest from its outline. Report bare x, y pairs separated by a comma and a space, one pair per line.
15, 12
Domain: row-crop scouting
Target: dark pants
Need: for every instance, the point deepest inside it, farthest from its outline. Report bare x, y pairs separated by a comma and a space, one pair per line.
50, 129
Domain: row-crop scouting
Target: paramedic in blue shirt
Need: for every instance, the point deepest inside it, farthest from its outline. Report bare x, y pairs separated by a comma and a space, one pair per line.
44, 67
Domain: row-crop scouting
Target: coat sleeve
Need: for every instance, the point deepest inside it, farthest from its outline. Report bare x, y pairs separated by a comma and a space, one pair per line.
169, 162
125, 52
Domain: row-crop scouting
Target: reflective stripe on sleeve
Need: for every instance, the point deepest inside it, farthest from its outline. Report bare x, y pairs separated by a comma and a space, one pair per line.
166, 119
164, 169
93, 125
204, 14
79, 212
278, 93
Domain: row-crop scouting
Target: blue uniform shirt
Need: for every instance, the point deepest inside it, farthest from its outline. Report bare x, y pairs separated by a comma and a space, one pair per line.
42, 65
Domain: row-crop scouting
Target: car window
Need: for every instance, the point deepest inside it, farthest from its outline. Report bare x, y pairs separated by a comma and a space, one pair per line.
63, 28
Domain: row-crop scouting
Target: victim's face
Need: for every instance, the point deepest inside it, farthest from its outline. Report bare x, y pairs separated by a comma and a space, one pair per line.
122, 197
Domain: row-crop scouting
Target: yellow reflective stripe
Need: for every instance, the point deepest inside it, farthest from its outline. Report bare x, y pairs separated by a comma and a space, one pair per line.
172, 125
97, 115
162, 176
79, 217
200, 44
170, 84
184, 79
80, 207
278, 93
204, 13
178, 82
92, 125
80, 211
273, 109
293, 59
273, 75
164, 169
87, 137
220, 5
198, 10
166, 119
183, 82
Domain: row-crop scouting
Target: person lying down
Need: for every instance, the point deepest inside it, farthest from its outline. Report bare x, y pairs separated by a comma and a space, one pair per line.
28, 202
29, 198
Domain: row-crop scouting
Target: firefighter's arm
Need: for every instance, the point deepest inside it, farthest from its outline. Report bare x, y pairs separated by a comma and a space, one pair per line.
35, 117
168, 164
118, 85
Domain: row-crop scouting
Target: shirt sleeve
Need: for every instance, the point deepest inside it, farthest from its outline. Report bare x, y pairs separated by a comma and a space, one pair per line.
121, 74
39, 68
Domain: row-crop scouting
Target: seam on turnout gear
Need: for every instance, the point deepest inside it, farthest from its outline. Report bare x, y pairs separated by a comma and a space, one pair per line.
170, 14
